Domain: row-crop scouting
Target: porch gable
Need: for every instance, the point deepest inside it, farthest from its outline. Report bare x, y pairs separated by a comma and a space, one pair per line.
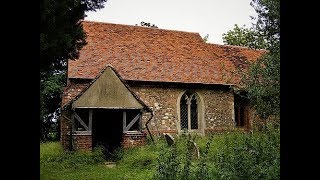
108, 91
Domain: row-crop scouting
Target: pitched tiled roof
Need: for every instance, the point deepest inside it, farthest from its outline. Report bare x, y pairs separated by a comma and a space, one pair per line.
149, 54
157, 55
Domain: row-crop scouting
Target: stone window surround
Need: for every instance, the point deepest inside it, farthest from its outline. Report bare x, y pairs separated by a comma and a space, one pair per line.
201, 110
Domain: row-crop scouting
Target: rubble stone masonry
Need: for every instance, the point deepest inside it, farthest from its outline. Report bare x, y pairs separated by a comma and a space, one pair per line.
215, 113
217, 107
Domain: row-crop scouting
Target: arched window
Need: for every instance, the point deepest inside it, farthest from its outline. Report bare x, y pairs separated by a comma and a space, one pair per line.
189, 111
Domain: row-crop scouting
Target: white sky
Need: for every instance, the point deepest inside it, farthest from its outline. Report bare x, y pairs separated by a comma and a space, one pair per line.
213, 17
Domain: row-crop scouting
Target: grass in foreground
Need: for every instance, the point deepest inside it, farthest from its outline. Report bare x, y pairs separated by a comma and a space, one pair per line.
228, 156
134, 163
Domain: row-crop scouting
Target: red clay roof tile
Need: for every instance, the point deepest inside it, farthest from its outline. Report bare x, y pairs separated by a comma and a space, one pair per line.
158, 55
149, 54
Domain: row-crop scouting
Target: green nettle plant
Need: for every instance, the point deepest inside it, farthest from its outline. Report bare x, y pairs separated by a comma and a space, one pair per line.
168, 164
188, 158
202, 170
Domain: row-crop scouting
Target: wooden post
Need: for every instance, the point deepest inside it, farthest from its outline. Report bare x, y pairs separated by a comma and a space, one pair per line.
90, 120
72, 123
124, 120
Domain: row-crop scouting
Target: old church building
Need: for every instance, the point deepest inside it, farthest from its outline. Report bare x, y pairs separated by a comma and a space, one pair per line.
130, 81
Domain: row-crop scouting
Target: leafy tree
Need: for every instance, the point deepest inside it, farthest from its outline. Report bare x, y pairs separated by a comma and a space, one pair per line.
50, 93
242, 36
61, 33
263, 80
268, 21
263, 85
61, 38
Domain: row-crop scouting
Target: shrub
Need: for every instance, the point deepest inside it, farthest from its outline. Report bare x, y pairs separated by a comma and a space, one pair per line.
250, 156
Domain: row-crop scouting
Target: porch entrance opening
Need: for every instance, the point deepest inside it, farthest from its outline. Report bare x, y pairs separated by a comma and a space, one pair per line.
107, 128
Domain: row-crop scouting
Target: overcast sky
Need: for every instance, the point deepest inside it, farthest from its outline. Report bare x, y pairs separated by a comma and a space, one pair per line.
213, 17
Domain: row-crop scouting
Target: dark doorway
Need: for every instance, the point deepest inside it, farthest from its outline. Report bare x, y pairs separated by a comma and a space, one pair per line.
241, 109
107, 129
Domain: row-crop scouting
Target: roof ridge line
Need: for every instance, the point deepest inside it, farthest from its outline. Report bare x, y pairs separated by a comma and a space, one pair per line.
100, 22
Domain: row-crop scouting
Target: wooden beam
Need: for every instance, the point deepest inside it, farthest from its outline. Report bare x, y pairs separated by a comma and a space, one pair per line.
73, 123
140, 121
80, 121
132, 122
124, 120
90, 120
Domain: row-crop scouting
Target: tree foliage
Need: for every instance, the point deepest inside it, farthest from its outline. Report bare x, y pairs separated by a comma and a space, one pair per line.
61, 33
263, 85
50, 98
242, 36
268, 21
263, 80
61, 38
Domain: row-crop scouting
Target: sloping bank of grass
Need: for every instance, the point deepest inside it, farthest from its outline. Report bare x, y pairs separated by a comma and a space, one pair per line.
229, 156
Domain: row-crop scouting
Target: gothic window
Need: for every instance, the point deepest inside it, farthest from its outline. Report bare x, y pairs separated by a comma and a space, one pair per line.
189, 111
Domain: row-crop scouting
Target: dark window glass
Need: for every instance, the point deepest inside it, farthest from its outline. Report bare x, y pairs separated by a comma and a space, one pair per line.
194, 113
184, 113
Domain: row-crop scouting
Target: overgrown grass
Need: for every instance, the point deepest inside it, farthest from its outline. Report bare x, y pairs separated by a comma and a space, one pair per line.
249, 156
236, 155
134, 163
229, 156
